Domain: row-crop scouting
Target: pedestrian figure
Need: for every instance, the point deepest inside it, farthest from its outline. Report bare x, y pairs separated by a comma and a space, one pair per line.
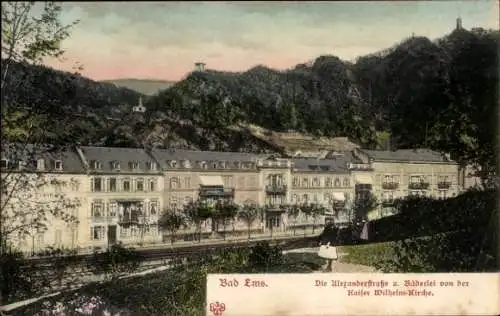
329, 251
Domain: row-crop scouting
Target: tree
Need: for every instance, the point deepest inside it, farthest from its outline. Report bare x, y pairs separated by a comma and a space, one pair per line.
293, 212
226, 211
363, 205
317, 211
249, 213
28, 37
197, 213
172, 222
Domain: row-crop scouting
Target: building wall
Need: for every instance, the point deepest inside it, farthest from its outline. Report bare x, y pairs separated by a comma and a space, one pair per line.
402, 173
176, 187
153, 187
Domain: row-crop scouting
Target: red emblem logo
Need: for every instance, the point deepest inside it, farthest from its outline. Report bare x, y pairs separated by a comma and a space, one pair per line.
217, 308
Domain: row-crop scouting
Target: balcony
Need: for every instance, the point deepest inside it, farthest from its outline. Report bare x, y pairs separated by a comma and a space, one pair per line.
276, 189
419, 186
390, 185
443, 185
130, 220
217, 192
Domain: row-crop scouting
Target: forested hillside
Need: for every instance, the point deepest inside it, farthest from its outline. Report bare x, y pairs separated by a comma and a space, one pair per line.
440, 94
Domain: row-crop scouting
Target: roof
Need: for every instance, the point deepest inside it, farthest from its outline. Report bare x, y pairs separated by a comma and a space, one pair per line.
334, 164
108, 155
30, 153
164, 155
407, 155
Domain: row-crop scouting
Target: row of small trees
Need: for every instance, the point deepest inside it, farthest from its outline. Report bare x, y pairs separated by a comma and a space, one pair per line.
223, 213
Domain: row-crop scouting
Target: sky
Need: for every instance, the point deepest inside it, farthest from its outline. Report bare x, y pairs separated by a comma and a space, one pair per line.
163, 40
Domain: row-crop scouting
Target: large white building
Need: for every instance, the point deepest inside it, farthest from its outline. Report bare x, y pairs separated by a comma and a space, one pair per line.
120, 193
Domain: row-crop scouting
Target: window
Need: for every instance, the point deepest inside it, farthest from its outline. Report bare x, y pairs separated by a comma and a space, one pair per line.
151, 165
305, 183
416, 179
316, 182
237, 164
187, 182
346, 182
295, 182
97, 232
4, 163
203, 165
328, 182
124, 232
153, 208
214, 165
58, 165
139, 185
222, 165
115, 165
305, 198
126, 185
112, 184
133, 165
337, 182
134, 231
96, 165
326, 197
40, 164
186, 164
315, 198
152, 185
97, 209
173, 164
112, 209
174, 183
295, 198
96, 185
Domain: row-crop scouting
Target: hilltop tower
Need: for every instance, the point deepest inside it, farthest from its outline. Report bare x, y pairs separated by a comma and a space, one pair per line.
199, 66
139, 108
459, 23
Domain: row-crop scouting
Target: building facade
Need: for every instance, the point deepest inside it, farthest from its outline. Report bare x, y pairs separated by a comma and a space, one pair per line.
122, 192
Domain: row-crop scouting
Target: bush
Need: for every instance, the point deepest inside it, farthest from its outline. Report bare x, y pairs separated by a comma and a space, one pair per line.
116, 261
177, 291
425, 217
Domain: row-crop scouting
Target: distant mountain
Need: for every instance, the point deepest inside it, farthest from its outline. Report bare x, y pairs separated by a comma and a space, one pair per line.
144, 86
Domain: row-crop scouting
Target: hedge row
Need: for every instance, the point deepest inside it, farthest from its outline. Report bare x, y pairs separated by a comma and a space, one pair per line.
425, 217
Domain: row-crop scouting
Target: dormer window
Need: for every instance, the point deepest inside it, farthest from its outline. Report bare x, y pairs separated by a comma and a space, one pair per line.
115, 165
173, 164
133, 165
4, 163
237, 164
203, 165
222, 165
215, 164
96, 165
40, 164
151, 165
58, 165
21, 164
186, 164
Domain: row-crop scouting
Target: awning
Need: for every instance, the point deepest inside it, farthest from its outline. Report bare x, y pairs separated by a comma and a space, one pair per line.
363, 179
211, 181
338, 196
